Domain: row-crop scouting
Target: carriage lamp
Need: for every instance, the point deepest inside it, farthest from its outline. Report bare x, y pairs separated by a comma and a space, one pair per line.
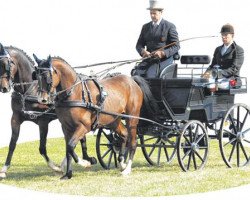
232, 82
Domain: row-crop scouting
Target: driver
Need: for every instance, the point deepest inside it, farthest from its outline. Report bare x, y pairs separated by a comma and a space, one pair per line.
154, 35
228, 58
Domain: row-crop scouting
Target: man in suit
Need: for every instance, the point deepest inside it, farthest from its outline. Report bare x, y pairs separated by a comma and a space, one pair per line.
229, 57
155, 35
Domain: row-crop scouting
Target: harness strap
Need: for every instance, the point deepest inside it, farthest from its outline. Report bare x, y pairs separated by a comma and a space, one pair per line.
93, 107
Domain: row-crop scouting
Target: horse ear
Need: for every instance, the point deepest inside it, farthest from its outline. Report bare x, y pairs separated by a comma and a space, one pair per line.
37, 59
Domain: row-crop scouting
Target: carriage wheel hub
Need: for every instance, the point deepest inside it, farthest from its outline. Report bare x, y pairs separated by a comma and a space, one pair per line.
194, 146
240, 136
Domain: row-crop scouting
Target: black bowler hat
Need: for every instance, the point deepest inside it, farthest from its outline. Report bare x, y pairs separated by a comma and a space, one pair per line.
227, 28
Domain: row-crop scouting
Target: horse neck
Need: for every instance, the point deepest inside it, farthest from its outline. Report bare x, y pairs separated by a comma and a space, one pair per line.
24, 69
67, 76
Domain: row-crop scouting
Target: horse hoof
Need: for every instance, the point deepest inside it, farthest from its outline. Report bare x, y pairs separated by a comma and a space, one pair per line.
125, 172
93, 160
54, 167
67, 176
2, 175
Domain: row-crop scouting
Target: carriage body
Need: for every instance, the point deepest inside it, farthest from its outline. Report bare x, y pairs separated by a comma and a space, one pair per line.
189, 99
191, 113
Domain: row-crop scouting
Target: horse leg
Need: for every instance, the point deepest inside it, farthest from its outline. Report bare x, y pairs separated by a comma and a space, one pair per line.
70, 153
69, 173
15, 125
132, 143
43, 129
122, 131
85, 156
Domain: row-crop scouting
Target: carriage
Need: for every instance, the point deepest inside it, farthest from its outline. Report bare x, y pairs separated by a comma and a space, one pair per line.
192, 110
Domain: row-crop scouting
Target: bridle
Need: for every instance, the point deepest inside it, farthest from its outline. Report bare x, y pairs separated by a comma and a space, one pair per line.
7, 67
44, 73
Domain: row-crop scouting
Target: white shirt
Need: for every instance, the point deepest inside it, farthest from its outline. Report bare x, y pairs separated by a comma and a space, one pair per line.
224, 48
158, 22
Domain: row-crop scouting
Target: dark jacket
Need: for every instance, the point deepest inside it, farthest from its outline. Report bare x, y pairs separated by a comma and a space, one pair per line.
230, 62
165, 34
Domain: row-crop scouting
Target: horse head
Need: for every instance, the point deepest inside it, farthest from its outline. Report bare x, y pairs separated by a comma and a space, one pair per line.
47, 78
5, 70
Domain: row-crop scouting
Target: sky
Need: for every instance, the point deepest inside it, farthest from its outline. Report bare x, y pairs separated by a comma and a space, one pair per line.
85, 32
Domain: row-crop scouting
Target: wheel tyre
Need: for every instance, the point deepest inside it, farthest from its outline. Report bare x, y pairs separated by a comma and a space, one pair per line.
193, 146
234, 136
158, 149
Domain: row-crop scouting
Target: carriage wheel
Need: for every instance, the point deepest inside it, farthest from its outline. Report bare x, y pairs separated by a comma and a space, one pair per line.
234, 136
108, 145
192, 147
158, 149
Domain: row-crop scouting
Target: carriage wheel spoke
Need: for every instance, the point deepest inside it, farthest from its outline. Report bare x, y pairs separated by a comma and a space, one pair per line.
245, 131
166, 153
232, 123
238, 154
246, 140
238, 118
194, 160
151, 151
108, 136
190, 134
198, 140
229, 142
232, 151
186, 154
110, 158
115, 159
244, 151
159, 156
196, 132
244, 120
228, 132
145, 140
189, 160
104, 155
185, 137
199, 156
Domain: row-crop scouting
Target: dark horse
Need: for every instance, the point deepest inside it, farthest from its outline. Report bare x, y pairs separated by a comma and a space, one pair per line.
16, 69
83, 103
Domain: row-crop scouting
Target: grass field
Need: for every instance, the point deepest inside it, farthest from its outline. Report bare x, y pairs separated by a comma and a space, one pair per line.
30, 171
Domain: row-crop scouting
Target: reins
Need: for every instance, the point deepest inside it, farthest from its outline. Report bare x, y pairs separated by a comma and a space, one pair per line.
125, 62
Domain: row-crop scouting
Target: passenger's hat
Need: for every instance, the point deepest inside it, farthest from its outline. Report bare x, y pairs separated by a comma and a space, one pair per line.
155, 5
227, 28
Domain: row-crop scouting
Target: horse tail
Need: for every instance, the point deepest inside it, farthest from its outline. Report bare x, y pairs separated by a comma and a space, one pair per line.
148, 99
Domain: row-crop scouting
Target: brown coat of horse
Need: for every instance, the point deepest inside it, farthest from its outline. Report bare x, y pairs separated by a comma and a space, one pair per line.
124, 95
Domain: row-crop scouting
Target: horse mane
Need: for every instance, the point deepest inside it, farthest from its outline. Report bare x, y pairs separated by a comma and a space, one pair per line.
60, 58
22, 51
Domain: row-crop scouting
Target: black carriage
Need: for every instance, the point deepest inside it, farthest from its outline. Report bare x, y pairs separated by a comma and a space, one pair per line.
191, 110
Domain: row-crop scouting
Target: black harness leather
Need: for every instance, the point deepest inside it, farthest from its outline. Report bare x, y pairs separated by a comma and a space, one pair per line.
61, 99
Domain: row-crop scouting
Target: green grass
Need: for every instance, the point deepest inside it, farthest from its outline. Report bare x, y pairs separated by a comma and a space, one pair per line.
30, 171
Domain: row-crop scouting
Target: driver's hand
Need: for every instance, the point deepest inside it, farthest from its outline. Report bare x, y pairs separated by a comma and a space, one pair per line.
159, 54
145, 53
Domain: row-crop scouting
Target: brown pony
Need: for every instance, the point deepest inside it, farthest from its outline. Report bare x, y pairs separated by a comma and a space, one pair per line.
83, 104
16, 69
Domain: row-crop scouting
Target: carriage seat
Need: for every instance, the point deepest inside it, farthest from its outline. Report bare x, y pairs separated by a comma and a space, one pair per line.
169, 72
175, 91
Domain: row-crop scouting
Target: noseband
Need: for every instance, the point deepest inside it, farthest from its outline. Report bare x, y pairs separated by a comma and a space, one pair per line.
44, 73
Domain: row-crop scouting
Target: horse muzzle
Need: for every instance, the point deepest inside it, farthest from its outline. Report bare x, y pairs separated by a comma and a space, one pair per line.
44, 98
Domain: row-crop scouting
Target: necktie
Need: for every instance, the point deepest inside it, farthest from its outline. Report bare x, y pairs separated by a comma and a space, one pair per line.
223, 50
155, 27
